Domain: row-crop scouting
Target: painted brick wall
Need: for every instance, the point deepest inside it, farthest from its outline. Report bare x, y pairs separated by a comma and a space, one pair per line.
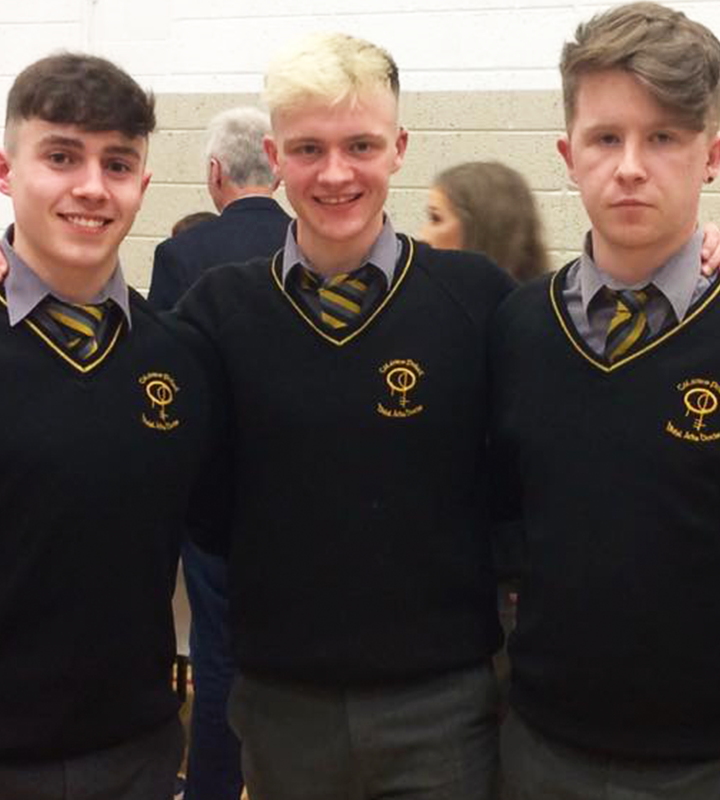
480, 79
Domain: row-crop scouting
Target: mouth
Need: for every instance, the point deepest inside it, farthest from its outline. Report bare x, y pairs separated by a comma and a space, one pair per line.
630, 203
86, 222
338, 200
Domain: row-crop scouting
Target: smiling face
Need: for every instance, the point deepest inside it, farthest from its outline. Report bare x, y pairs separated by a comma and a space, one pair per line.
336, 163
639, 172
75, 195
443, 228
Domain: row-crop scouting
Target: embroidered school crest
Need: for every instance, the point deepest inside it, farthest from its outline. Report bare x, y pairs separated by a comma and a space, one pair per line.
697, 420
160, 390
401, 377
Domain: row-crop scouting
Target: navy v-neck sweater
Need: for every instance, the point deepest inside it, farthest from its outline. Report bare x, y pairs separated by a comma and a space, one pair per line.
97, 473
360, 552
617, 473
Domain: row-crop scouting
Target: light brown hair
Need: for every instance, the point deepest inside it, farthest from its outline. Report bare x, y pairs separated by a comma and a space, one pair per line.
676, 59
497, 214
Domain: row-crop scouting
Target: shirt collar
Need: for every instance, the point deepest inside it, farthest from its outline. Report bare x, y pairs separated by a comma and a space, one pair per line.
24, 289
383, 254
676, 279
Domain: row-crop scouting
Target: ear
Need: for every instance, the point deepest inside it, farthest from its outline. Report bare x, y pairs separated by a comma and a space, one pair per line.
145, 182
215, 173
713, 161
5, 186
565, 150
400, 147
272, 153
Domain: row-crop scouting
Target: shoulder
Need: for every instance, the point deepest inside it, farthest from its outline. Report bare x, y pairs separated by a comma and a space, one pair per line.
225, 291
147, 321
471, 279
190, 237
523, 319
164, 332
531, 297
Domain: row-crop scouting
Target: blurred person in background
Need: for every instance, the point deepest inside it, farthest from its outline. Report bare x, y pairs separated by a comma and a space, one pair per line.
487, 207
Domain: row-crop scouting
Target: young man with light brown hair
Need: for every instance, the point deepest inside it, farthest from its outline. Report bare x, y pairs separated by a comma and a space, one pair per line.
611, 451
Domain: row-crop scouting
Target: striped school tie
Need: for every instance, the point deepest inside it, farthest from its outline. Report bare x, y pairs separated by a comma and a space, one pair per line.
80, 328
341, 297
629, 329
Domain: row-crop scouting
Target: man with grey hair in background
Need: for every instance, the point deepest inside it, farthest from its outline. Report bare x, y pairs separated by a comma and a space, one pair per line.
240, 183
251, 223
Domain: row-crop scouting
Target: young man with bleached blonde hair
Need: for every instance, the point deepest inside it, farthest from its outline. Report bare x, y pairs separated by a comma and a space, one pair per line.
363, 600
615, 691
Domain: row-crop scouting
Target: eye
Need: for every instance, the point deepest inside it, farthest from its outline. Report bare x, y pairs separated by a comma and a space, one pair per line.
662, 137
118, 167
307, 149
608, 138
433, 217
60, 158
361, 147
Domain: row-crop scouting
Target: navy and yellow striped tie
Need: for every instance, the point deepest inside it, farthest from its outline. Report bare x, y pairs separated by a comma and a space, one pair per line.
81, 328
341, 297
629, 329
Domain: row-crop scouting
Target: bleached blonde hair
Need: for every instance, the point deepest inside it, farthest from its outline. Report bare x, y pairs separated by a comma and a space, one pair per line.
332, 68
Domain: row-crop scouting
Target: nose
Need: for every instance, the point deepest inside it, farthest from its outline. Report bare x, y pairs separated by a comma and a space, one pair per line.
336, 168
91, 183
631, 166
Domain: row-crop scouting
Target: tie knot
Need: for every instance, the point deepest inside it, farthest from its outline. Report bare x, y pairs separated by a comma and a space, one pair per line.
360, 279
632, 299
79, 325
629, 329
341, 297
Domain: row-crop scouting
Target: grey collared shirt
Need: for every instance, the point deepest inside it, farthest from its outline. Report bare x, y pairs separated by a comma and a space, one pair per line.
24, 289
384, 253
679, 281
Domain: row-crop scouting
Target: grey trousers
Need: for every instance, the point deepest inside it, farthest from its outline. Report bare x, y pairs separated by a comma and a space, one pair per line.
425, 740
536, 768
143, 769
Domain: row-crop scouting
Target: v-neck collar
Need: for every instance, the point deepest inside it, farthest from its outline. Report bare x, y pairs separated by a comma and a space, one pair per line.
556, 286
81, 366
342, 337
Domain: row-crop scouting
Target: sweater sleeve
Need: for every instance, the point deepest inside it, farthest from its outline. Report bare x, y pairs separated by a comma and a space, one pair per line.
211, 510
505, 502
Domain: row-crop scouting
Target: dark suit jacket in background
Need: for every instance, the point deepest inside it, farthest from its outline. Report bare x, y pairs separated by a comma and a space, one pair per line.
247, 228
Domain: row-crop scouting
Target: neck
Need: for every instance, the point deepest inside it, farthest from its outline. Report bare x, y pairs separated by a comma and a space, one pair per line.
237, 193
329, 257
634, 265
75, 285
75, 288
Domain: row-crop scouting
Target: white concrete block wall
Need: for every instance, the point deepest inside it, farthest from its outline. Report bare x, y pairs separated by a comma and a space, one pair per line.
478, 72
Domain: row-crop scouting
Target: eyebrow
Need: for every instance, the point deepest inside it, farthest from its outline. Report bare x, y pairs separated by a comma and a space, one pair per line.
290, 142
77, 144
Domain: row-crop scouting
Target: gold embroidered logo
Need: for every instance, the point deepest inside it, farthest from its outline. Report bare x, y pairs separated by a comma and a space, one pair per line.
700, 402
160, 391
401, 378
